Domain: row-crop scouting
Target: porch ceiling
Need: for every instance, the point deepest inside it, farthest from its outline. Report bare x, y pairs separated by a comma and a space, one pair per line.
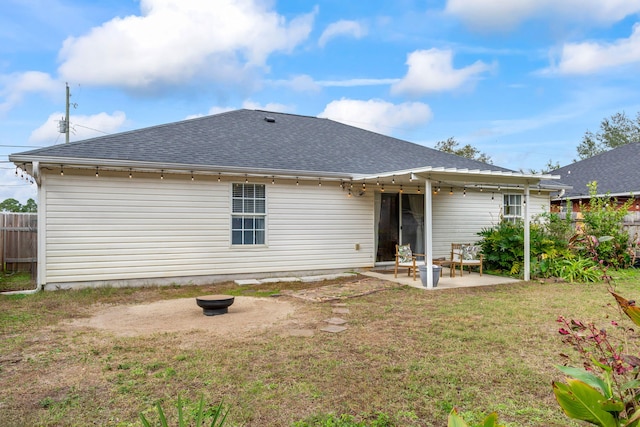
457, 177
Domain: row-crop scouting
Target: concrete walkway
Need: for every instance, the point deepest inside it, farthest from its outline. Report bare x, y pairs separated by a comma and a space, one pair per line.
445, 282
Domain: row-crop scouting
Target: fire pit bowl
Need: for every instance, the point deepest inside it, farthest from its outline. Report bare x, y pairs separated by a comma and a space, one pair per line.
213, 305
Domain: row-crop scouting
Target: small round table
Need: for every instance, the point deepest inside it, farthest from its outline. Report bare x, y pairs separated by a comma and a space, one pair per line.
214, 304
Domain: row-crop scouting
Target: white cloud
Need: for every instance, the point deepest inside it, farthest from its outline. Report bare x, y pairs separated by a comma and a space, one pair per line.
504, 15
249, 105
82, 127
591, 57
357, 82
17, 187
270, 106
14, 87
299, 83
173, 41
342, 28
377, 115
432, 71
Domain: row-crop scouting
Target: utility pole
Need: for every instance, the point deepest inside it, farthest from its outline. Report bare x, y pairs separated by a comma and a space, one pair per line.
66, 118
63, 124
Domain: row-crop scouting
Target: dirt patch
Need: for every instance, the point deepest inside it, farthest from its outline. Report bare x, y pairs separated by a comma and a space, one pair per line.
179, 315
246, 316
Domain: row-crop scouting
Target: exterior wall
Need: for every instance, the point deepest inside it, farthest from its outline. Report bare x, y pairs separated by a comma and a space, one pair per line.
458, 218
115, 230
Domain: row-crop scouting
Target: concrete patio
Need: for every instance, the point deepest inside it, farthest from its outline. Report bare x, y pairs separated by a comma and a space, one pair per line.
445, 282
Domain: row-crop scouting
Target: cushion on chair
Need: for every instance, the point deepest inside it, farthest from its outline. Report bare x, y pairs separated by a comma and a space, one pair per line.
404, 254
470, 252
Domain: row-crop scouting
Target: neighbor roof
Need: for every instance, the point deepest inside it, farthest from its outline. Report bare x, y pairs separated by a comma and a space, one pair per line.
616, 172
256, 140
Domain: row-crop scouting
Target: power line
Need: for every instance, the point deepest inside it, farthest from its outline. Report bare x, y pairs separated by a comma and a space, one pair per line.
87, 127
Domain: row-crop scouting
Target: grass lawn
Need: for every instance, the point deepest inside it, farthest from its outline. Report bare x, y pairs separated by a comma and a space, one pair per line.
408, 353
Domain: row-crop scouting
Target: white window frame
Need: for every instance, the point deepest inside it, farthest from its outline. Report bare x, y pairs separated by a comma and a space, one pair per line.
512, 207
248, 214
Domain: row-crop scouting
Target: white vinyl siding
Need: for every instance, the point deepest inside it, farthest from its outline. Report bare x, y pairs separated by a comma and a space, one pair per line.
458, 219
114, 228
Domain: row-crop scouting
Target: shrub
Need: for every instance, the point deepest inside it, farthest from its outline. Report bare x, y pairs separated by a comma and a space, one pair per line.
603, 216
213, 417
503, 245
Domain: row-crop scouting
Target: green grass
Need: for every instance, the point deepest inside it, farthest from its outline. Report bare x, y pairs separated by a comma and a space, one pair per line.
409, 355
16, 281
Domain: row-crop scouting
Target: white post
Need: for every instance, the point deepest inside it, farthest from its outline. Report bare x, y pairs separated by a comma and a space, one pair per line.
428, 227
527, 239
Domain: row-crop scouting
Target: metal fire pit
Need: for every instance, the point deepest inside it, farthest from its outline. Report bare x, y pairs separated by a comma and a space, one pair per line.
213, 305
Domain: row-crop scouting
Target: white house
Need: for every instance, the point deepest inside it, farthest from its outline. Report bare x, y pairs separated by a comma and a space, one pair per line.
254, 193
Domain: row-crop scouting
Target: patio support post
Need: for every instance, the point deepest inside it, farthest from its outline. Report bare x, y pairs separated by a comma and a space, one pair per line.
527, 239
428, 227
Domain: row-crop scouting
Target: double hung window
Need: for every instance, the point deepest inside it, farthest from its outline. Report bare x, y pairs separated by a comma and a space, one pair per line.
512, 207
248, 214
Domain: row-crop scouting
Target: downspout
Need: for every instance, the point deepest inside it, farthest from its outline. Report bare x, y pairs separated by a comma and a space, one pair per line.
35, 172
527, 235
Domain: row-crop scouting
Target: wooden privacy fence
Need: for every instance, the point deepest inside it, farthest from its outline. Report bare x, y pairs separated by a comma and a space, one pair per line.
19, 242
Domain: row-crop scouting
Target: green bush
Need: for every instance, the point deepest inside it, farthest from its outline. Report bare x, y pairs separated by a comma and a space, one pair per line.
214, 416
503, 245
603, 216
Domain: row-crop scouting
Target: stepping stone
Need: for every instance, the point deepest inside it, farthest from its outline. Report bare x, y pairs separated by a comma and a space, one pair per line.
279, 279
247, 282
333, 329
341, 310
336, 321
301, 332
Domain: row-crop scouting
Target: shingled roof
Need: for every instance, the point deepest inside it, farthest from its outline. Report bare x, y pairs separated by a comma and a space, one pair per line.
257, 140
616, 172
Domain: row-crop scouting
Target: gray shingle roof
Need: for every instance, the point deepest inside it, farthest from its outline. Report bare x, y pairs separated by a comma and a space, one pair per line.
244, 139
616, 171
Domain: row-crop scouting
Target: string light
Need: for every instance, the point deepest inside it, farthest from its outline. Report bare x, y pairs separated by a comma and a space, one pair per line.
61, 171
378, 181
273, 180
97, 173
297, 181
192, 178
341, 184
451, 191
401, 188
162, 174
382, 188
464, 191
246, 179
492, 195
319, 182
364, 185
393, 179
130, 175
418, 189
219, 177
17, 170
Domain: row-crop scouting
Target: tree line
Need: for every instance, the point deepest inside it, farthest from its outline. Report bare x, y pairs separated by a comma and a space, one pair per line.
615, 131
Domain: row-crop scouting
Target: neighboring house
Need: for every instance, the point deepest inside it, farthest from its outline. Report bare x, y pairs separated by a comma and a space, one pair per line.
616, 172
254, 193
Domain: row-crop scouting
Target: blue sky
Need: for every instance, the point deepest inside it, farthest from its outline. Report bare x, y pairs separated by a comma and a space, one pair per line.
521, 80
